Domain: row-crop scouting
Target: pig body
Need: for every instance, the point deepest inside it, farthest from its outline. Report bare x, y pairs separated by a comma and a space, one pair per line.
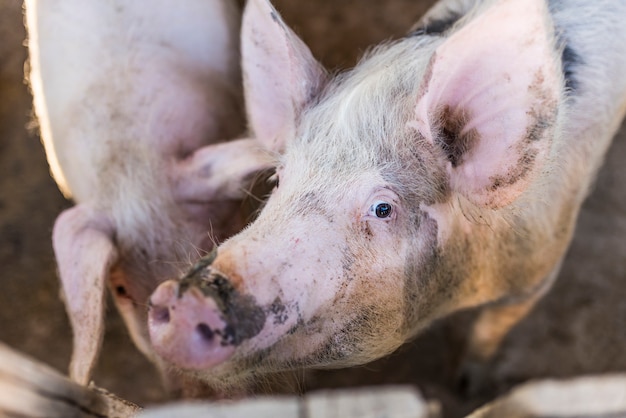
445, 171
135, 101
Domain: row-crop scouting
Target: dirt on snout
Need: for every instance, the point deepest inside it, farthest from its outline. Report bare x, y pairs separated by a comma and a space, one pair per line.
579, 328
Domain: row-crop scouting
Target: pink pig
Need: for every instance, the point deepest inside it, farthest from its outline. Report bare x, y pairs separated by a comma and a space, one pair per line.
135, 101
445, 171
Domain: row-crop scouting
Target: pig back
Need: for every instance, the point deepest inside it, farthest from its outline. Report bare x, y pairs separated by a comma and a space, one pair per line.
121, 88
593, 38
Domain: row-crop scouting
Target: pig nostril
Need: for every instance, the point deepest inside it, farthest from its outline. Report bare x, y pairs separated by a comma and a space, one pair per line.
160, 314
205, 332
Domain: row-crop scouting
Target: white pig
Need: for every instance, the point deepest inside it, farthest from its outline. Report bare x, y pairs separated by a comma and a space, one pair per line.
445, 171
135, 100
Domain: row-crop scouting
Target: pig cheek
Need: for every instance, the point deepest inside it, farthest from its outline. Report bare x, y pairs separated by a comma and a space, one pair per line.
399, 253
435, 267
375, 287
354, 306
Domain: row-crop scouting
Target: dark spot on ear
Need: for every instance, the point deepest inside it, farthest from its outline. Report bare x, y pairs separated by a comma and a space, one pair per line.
570, 61
536, 130
542, 117
452, 138
274, 17
517, 172
437, 26
543, 113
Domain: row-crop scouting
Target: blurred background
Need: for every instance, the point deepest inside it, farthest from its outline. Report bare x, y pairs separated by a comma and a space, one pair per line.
579, 328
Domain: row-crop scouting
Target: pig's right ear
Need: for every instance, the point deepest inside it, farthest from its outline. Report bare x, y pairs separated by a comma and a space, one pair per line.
489, 100
85, 253
279, 72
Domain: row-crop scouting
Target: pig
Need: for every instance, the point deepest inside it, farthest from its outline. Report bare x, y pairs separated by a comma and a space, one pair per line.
135, 102
445, 171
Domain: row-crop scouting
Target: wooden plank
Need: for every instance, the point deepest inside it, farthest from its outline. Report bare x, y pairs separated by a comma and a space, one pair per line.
585, 397
268, 407
16, 400
374, 402
31, 389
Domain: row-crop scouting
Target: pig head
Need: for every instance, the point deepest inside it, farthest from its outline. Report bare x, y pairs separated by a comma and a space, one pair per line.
136, 102
445, 171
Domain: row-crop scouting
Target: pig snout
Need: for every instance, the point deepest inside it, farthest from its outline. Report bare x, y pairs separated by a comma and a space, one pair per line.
187, 328
197, 322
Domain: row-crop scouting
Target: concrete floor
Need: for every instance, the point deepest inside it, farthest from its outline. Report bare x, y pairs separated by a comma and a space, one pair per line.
579, 328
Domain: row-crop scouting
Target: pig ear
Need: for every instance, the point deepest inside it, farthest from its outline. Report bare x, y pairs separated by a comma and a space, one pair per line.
280, 74
489, 101
85, 253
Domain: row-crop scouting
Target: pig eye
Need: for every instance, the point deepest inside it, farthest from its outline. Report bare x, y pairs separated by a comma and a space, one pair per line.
274, 180
382, 210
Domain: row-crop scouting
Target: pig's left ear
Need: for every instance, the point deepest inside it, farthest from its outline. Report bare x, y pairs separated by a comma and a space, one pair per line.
280, 74
489, 100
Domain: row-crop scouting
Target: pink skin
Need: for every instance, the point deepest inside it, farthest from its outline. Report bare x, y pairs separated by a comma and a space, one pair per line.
306, 295
338, 280
184, 328
479, 61
136, 107
425, 181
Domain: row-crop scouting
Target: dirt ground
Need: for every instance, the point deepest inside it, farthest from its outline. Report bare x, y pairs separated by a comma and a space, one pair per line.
579, 328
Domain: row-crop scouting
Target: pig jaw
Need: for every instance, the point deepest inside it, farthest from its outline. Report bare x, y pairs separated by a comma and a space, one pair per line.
483, 256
